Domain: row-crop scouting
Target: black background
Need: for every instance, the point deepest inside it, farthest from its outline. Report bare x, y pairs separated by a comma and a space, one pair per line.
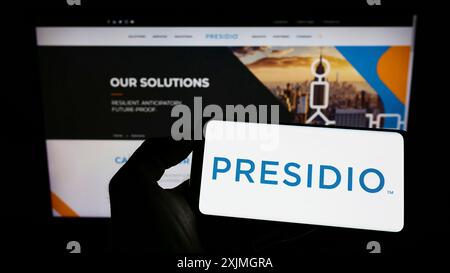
426, 218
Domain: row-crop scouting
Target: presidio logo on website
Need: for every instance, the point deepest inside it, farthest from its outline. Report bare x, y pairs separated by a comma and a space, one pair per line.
222, 36
325, 177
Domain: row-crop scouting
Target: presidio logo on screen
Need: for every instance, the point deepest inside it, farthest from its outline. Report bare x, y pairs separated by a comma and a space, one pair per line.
222, 36
313, 175
267, 172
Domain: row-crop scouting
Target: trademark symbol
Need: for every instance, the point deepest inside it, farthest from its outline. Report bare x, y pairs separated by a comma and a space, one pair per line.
390, 192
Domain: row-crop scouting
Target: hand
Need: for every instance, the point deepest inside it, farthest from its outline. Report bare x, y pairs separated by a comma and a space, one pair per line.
148, 218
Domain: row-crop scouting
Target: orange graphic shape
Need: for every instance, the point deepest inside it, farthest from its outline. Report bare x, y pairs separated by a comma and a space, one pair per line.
393, 69
61, 207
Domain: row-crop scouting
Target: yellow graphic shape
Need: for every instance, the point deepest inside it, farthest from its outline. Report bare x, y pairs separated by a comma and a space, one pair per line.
61, 207
393, 68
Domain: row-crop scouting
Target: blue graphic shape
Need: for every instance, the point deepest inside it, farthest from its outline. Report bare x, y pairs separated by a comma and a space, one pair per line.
365, 59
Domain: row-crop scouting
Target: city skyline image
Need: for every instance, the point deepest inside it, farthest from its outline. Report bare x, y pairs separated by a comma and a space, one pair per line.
278, 65
289, 72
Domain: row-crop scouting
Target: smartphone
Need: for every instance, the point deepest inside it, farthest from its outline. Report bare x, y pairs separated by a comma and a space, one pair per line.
317, 175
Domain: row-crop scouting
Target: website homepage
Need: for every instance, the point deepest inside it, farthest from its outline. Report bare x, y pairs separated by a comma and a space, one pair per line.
106, 89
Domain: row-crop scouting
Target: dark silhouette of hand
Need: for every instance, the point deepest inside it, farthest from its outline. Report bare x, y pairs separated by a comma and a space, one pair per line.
148, 218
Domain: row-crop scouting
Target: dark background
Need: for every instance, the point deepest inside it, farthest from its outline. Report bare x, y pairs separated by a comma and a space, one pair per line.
426, 203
